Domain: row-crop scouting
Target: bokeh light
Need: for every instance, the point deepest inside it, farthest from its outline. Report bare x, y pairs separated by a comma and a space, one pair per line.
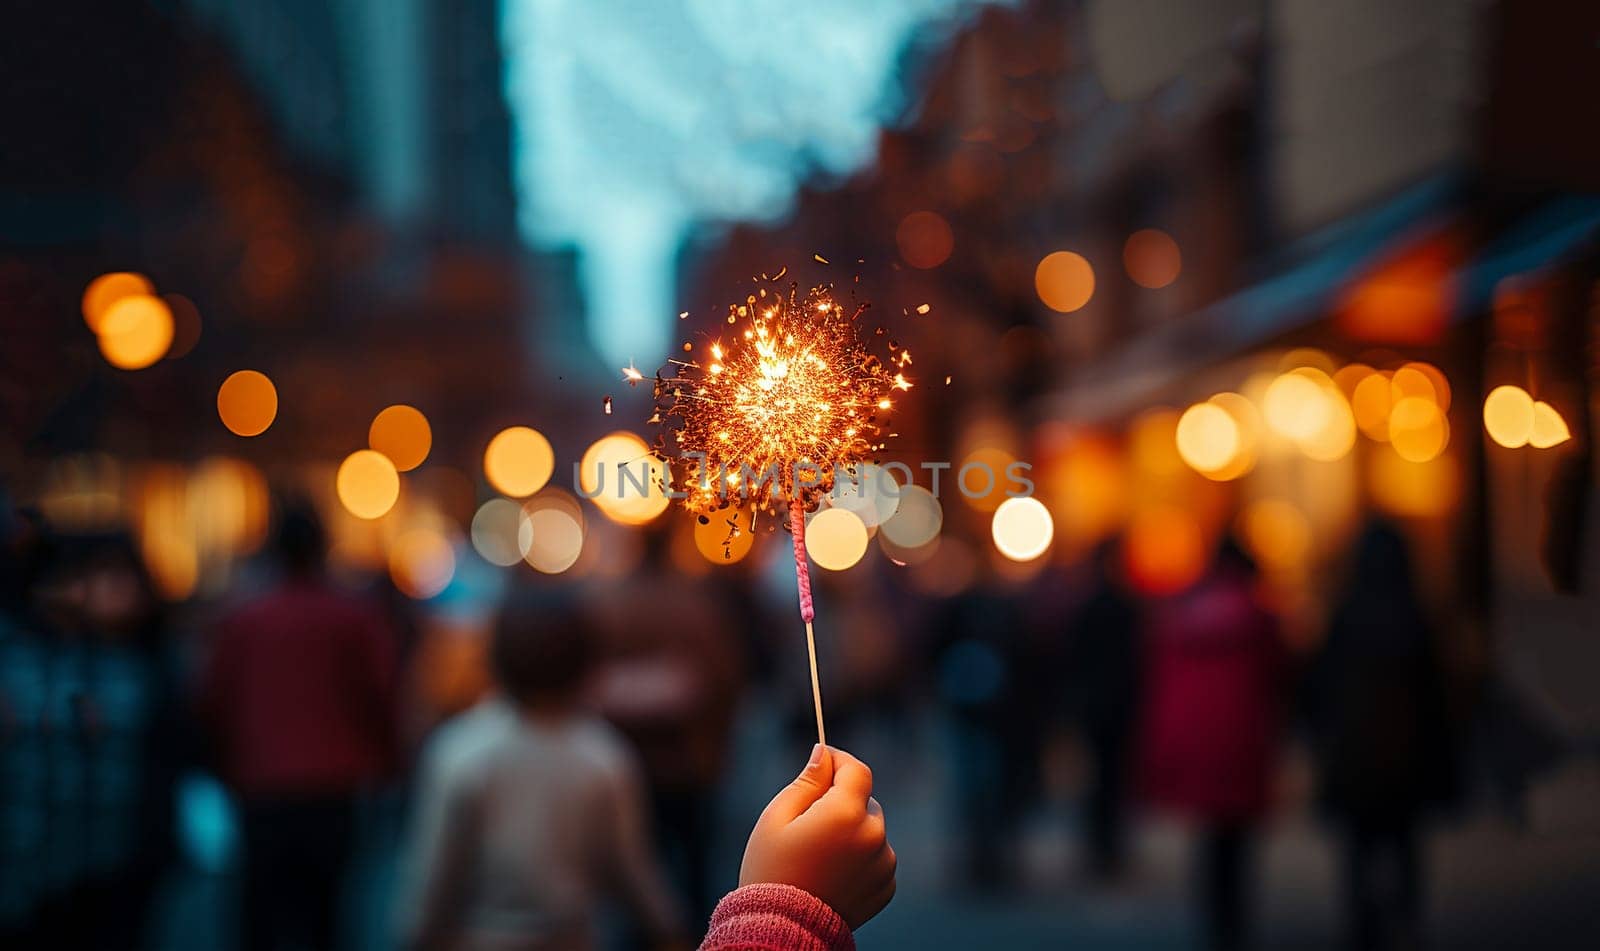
1064, 281
836, 539
136, 331
554, 539
1371, 401
1508, 416
984, 485
495, 526
1207, 437
402, 433
872, 492
1306, 406
725, 537
518, 461
1022, 529
247, 402
1295, 406
367, 484
917, 520
624, 479
1422, 379
1417, 430
106, 290
1549, 429
422, 562
1152, 258
925, 239
1247, 422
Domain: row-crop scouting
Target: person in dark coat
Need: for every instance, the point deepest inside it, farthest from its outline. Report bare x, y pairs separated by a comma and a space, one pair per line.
1103, 659
1376, 714
1211, 725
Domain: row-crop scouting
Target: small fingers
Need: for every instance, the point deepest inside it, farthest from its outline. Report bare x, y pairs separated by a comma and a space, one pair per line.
851, 775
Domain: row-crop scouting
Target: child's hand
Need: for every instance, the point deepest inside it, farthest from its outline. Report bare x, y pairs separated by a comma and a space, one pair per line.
824, 833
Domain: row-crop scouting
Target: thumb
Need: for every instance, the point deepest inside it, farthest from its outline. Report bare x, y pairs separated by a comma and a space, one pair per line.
814, 780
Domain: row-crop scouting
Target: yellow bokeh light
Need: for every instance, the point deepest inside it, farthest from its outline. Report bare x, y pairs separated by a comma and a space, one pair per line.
1207, 437
422, 562
624, 479
724, 537
106, 290
402, 433
1022, 529
368, 484
836, 539
136, 331
1064, 281
554, 539
1295, 406
247, 402
1508, 416
1549, 429
1417, 430
1152, 258
1307, 406
1438, 387
518, 461
1371, 401
1247, 420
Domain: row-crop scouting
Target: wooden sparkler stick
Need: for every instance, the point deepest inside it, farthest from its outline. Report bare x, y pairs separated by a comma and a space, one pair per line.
802, 575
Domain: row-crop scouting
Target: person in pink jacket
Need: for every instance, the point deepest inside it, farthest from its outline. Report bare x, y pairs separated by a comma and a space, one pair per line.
818, 864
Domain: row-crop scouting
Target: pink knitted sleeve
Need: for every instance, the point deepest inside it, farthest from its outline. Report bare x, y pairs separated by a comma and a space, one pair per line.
776, 918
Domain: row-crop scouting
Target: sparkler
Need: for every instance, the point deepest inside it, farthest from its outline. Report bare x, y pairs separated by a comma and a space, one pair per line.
775, 411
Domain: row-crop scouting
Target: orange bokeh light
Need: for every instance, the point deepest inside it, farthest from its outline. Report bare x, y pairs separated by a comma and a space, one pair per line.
106, 290
136, 331
402, 433
1064, 281
247, 402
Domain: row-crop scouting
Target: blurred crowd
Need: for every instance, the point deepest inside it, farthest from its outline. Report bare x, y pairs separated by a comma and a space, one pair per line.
589, 770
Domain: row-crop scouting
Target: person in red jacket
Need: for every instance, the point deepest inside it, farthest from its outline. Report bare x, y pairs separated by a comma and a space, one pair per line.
818, 864
299, 696
1210, 727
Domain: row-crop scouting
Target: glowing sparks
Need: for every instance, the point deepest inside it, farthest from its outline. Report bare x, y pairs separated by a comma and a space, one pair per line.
791, 386
632, 375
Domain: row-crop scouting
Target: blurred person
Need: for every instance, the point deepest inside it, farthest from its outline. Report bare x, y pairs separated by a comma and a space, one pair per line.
93, 741
818, 864
299, 696
531, 810
1210, 728
1374, 703
669, 677
1102, 667
980, 664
